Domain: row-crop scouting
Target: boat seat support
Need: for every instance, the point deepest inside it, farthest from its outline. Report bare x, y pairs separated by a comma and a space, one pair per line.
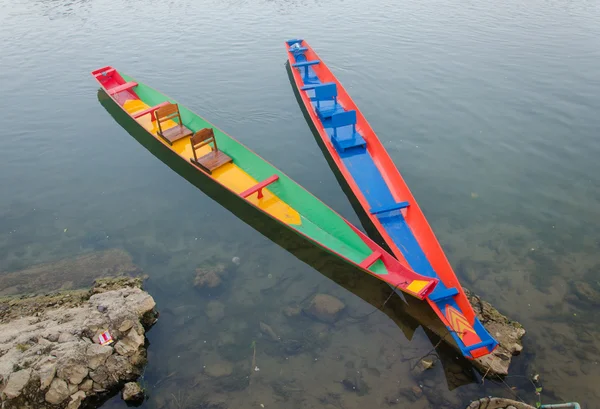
297, 49
389, 208
442, 295
306, 63
313, 86
488, 343
369, 261
150, 110
123, 87
259, 187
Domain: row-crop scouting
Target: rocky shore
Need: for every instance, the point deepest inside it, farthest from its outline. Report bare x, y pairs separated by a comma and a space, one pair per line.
56, 350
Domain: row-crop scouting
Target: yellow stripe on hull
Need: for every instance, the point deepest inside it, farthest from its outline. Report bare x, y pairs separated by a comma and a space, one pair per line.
229, 175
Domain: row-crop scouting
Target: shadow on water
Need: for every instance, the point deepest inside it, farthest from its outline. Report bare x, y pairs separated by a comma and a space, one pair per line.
405, 313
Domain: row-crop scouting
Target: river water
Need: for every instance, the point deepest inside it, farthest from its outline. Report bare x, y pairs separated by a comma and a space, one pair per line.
490, 110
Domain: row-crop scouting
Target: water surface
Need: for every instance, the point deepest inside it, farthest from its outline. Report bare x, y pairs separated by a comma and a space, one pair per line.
490, 111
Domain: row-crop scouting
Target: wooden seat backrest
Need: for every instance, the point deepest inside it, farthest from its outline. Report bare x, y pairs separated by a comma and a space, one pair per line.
203, 137
166, 113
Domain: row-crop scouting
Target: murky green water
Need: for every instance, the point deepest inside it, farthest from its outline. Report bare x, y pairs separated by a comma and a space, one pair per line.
490, 111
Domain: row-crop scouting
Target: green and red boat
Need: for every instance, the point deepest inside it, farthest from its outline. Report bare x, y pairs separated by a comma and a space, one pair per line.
217, 158
374, 181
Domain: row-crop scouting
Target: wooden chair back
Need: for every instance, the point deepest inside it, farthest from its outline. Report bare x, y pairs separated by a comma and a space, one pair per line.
168, 112
203, 137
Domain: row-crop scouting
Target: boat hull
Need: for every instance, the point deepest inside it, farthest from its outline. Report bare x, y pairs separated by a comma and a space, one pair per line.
351, 241
371, 182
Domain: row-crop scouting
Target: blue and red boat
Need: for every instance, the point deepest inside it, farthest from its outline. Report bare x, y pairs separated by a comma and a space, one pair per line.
377, 185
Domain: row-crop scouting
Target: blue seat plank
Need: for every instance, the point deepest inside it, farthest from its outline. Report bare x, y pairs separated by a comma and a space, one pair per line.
442, 295
305, 63
487, 343
294, 40
297, 49
389, 208
313, 86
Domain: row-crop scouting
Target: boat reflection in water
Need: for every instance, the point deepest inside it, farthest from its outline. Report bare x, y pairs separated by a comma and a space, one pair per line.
408, 313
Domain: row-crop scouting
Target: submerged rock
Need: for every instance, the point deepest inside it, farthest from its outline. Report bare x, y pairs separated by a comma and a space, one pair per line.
215, 311
268, 331
209, 276
52, 357
324, 307
498, 403
584, 294
218, 369
132, 393
508, 334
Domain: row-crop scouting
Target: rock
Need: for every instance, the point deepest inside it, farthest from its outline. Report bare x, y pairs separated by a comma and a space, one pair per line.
292, 311
47, 373
508, 334
96, 355
16, 383
427, 364
76, 400
130, 344
413, 393
585, 293
66, 337
125, 326
73, 373
102, 308
86, 385
218, 369
268, 331
132, 393
215, 311
354, 382
498, 403
58, 392
421, 366
50, 336
325, 308
209, 277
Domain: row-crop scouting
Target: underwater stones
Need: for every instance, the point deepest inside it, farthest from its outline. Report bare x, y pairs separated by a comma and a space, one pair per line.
353, 381
268, 331
497, 403
325, 307
215, 311
291, 311
421, 366
132, 393
508, 333
209, 276
218, 369
584, 294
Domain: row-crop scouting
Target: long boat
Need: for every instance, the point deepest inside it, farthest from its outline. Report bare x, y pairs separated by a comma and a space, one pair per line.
223, 161
375, 182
